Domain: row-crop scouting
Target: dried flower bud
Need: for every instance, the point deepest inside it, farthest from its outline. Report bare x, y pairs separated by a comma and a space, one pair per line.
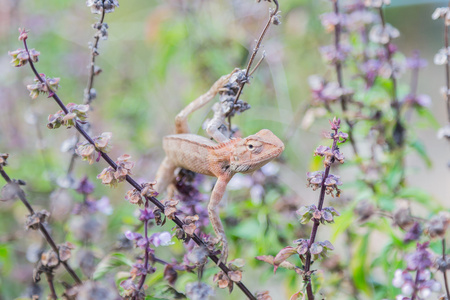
223, 281
77, 113
123, 167
134, 197
199, 291
37, 218
97, 6
189, 224
23, 34
87, 152
148, 189
264, 295
47, 85
3, 158
65, 251
107, 177
171, 208
438, 224
19, 57
276, 19
102, 142
50, 259
402, 218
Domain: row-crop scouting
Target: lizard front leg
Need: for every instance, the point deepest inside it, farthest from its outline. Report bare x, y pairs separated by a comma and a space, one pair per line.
213, 212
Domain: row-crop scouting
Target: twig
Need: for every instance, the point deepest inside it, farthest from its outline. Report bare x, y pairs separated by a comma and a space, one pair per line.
444, 271
49, 277
252, 58
142, 280
87, 91
317, 223
132, 182
338, 66
447, 67
42, 229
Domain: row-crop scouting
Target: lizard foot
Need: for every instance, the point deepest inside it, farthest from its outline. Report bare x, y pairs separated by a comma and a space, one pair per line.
224, 252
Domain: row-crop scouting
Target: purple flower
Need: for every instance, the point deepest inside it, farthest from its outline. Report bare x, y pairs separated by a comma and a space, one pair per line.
85, 186
415, 62
418, 100
104, 206
146, 214
161, 239
413, 233
323, 91
133, 235
332, 55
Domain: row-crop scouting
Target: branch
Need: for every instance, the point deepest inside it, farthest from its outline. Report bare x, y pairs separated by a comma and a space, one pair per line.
42, 229
132, 182
252, 58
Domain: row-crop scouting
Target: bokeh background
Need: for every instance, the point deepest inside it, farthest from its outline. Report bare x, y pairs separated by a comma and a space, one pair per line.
159, 56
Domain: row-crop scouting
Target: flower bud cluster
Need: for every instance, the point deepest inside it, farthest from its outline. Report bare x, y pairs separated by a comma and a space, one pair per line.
422, 285
326, 214
92, 153
49, 86
112, 177
20, 56
77, 113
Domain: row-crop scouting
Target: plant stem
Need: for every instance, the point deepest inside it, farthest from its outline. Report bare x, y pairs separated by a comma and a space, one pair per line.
338, 66
87, 91
312, 237
42, 229
252, 57
49, 277
142, 280
447, 68
132, 182
444, 272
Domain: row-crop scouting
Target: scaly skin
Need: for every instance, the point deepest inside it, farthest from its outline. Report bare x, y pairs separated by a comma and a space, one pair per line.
222, 160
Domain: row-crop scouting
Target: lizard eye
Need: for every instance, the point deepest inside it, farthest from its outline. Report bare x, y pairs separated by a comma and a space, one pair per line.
250, 146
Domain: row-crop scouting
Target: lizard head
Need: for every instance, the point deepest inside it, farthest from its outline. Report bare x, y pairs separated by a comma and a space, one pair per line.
253, 152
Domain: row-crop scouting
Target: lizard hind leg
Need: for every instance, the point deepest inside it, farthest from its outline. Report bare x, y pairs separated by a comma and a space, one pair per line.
165, 175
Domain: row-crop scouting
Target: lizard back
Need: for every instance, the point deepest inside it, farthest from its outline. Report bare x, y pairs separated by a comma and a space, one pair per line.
189, 151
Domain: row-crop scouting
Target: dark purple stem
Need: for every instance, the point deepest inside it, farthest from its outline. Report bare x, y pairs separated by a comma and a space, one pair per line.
312, 237
416, 282
141, 282
343, 100
132, 182
49, 277
444, 272
395, 102
87, 92
42, 229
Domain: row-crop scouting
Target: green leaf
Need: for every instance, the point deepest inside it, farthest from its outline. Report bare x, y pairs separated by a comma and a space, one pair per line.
420, 149
342, 223
359, 266
416, 194
111, 262
428, 116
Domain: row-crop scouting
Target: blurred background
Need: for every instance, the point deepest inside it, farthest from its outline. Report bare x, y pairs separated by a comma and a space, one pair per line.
159, 56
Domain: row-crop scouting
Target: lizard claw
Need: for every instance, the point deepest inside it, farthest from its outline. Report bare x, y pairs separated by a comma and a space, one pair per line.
224, 252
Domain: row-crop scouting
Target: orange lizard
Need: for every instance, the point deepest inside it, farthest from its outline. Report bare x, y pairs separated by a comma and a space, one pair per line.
222, 159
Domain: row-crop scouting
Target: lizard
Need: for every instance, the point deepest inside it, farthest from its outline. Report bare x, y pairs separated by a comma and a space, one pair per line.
221, 159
